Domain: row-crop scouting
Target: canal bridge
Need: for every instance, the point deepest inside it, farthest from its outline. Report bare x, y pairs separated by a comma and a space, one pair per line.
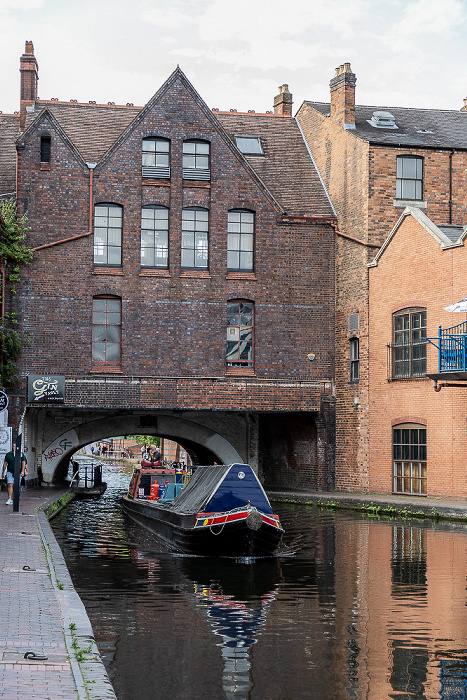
284, 429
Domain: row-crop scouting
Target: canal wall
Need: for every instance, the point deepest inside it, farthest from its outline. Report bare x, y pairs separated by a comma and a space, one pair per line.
375, 504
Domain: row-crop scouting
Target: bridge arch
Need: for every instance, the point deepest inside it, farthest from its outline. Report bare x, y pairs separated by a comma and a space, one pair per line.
204, 442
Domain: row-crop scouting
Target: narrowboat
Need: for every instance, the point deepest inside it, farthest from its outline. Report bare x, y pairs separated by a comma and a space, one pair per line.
222, 511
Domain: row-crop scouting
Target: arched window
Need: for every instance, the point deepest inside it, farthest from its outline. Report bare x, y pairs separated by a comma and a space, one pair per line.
156, 158
240, 327
154, 236
106, 330
196, 160
409, 177
409, 344
240, 240
409, 458
108, 221
195, 245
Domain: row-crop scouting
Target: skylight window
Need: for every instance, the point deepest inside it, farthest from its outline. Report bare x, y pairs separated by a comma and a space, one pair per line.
249, 145
383, 120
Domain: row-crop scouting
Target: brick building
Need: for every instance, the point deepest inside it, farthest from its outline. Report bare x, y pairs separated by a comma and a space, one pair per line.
379, 163
183, 279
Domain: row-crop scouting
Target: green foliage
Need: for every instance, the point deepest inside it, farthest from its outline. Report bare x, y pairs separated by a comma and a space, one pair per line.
13, 253
146, 439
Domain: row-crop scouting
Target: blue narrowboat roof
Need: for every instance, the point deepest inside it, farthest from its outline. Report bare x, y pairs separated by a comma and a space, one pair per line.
220, 488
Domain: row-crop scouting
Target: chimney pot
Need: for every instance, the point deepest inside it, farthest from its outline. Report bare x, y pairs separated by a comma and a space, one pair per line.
29, 71
464, 107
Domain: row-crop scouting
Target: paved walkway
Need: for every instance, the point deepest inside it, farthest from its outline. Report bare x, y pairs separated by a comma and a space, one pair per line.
40, 612
432, 507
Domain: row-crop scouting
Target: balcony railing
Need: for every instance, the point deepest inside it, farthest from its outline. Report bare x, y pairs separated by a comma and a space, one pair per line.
452, 348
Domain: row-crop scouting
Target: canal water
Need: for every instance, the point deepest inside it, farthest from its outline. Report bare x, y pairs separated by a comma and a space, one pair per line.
356, 607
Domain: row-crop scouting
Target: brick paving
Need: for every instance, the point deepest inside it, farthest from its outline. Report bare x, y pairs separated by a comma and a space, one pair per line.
37, 607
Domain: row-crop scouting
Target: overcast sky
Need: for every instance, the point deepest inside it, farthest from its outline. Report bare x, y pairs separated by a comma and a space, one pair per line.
408, 53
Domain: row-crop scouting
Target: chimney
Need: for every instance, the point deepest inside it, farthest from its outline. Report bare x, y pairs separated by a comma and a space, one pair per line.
343, 96
283, 102
29, 76
464, 108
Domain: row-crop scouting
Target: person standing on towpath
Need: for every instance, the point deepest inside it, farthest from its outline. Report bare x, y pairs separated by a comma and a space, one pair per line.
9, 469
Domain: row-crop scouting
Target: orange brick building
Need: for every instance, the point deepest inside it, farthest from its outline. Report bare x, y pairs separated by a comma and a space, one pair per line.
375, 162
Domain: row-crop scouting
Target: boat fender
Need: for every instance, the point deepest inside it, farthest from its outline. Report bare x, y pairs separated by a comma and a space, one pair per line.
254, 520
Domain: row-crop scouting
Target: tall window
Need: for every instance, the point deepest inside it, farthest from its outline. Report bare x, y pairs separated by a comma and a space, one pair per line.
409, 459
240, 237
196, 165
195, 227
156, 158
108, 234
409, 352
240, 333
46, 148
354, 359
106, 329
154, 237
409, 177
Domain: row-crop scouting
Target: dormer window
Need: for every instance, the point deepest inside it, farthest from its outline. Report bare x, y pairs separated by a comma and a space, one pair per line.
156, 158
249, 145
196, 160
383, 120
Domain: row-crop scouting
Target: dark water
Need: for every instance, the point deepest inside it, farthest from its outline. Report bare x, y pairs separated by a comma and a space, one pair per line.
363, 608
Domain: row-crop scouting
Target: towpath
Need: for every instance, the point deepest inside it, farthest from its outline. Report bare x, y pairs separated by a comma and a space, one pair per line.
41, 613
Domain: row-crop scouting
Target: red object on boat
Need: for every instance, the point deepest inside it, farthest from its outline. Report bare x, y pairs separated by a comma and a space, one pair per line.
154, 495
146, 464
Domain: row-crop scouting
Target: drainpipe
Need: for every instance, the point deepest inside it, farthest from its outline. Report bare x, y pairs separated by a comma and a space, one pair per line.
91, 167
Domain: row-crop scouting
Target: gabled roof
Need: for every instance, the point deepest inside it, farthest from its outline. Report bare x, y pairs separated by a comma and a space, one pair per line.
421, 128
286, 167
445, 236
9, 132
92, 128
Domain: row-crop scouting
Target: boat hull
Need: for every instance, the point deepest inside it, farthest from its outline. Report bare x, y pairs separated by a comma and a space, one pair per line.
245, 533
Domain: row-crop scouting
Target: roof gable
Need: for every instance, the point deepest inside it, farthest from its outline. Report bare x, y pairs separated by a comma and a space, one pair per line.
443, 240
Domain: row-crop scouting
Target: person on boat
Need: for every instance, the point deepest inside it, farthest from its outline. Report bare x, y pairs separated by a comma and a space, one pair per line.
154, 456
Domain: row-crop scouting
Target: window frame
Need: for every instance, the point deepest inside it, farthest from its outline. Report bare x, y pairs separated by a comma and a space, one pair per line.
196, 172
409, 459
154, 246
108, 228
403, 352
155, 170
242, 235
403, 182
354, 367
105, 363
238, 363
195, 232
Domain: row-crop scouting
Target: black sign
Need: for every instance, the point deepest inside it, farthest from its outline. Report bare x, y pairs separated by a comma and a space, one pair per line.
46, 388
3, 401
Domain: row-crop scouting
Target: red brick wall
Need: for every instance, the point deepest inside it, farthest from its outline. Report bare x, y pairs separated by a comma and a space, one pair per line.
403, 278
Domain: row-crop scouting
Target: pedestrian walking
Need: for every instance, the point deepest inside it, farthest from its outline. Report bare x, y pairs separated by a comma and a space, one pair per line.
9, 470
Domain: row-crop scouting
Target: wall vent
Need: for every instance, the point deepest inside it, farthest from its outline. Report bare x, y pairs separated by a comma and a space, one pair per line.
353, 322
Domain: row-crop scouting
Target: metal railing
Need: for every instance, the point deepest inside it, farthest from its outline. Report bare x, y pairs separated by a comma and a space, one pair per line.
451, 344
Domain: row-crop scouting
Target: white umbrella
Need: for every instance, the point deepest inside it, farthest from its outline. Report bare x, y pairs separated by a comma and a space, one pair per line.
460, 306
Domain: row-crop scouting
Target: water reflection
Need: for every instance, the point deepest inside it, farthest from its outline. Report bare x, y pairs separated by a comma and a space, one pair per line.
365, 608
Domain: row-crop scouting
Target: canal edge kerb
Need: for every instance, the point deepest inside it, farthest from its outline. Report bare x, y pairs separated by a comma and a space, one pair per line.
374, 505
89, 673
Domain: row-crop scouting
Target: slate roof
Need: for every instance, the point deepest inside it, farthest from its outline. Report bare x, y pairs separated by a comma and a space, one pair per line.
91, 128
452, 232
9, 132
286, 168
435, 128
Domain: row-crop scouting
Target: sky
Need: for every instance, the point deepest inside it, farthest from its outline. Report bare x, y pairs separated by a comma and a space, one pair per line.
409, 53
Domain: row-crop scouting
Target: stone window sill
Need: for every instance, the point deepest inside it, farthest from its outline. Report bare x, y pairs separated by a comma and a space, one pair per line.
402, 203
